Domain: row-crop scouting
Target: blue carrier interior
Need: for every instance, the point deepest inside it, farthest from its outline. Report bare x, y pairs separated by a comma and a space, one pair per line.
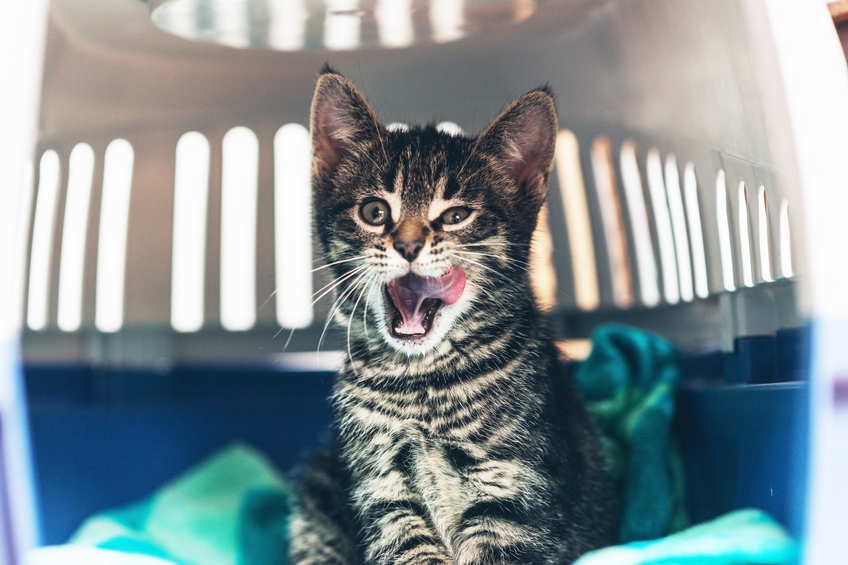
697, 179
106, 438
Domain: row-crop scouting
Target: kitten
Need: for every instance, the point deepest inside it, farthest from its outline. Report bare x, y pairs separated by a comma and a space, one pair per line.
460, 441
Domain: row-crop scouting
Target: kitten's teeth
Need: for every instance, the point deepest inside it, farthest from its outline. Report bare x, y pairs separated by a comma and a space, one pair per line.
415, 296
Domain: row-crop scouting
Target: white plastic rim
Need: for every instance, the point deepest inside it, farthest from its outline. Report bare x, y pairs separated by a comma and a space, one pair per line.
22, 40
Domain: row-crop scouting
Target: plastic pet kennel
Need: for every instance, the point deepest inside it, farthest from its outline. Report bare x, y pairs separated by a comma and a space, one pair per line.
157, 248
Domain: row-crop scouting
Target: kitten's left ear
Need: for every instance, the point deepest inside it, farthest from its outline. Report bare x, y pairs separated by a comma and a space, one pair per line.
522, 139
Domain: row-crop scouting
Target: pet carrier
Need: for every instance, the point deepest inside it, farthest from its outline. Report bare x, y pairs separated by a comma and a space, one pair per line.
157, 294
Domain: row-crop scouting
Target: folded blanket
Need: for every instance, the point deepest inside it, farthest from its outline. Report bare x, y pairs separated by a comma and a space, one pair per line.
744, 537
628, 382
231, 509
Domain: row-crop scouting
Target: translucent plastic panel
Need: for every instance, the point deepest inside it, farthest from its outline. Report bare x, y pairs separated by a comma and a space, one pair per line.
613, 222
188, 258
678, 224
646, 265
239, 177
231, 19
745, 237
75, 227
293, 226
42, 241
662, 219
342, 25
570, 177
394, 23
112, 242
286, 24
696, 232
447, 20
724, 245
763, 233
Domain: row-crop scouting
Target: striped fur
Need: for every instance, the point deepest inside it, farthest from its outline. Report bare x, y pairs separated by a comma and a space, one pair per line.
465, 445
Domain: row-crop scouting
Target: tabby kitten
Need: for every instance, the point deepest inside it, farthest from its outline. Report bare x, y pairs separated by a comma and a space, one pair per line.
459, 439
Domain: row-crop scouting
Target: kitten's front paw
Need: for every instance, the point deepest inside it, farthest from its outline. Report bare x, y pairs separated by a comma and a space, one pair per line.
499, 542
490, 552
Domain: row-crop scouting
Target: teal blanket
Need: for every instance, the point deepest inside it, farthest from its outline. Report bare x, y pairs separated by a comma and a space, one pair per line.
233, 508
628, 382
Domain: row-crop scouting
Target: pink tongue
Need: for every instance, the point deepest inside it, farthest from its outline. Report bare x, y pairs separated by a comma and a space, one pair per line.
410, 292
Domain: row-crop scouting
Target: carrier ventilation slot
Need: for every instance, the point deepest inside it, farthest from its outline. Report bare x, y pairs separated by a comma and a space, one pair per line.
785, 242
696, 233
18, 287
341, 25
613, 223
38, 297
678, 224
188, 258
646, 264
74, 229
723, 224
662, 221
239, 192
292, 226
745, 237
112, 241
763, 232
577, 221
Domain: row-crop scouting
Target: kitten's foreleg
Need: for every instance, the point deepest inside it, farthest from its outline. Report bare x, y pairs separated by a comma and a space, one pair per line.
504, 522
319, 529
397, 527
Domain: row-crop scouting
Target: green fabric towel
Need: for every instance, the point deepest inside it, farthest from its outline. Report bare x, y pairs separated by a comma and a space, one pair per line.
231, 509
628, 382
744, 537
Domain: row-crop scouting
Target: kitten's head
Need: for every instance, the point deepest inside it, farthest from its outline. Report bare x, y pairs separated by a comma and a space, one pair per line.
429, 233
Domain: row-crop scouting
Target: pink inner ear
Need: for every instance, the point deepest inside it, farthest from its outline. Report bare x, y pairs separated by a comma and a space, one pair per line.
526, 151
339, 116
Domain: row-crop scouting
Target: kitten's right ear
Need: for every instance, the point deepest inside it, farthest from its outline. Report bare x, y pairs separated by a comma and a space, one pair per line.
341, 121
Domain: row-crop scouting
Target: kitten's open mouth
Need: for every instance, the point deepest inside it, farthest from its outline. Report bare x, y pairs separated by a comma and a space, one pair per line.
417, 300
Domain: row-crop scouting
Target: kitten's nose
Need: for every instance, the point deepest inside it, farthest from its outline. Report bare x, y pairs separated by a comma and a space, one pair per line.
410, 237
409, 249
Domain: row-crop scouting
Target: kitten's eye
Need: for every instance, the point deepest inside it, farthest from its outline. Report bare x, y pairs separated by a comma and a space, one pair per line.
455, 215
375, 212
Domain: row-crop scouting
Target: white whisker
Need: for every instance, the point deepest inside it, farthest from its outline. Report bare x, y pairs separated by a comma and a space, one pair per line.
511, 281
336, 304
